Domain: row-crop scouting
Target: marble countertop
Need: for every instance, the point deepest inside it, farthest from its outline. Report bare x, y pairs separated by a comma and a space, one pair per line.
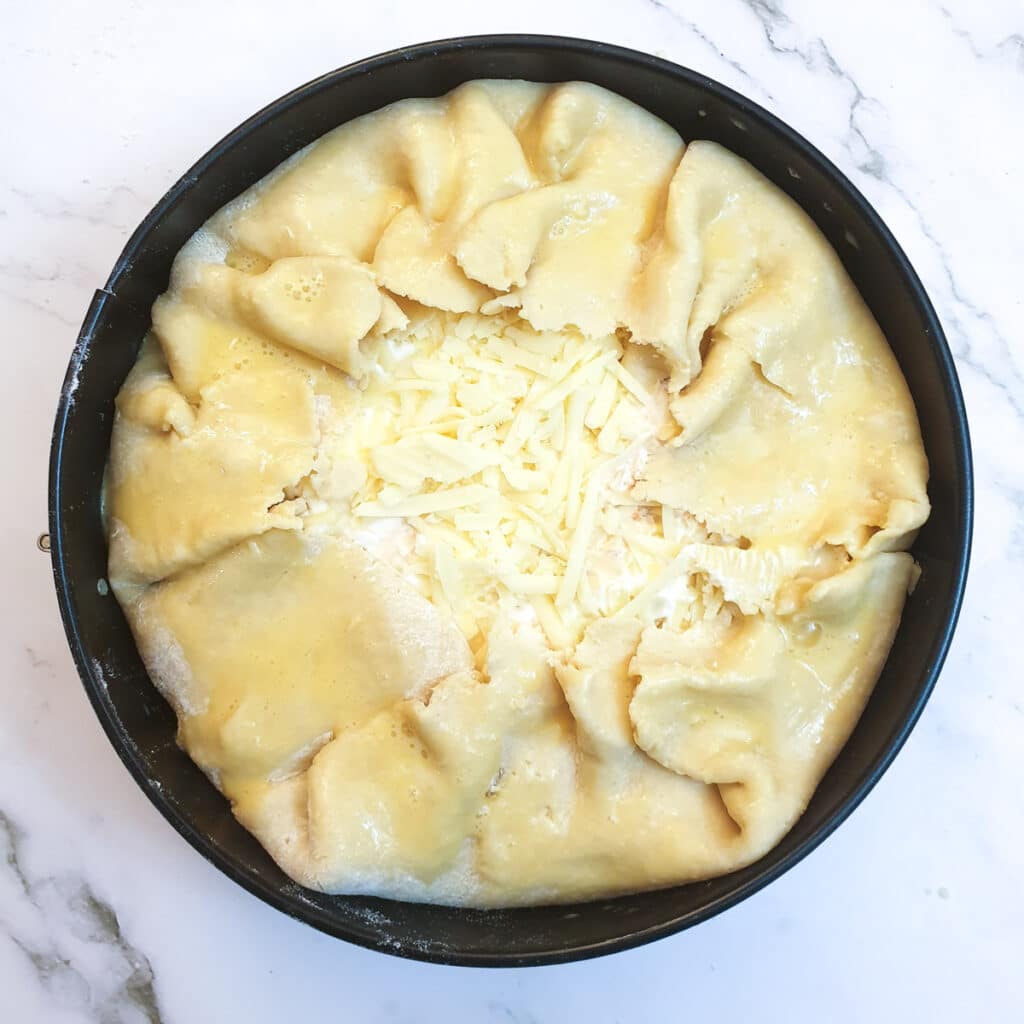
913, 908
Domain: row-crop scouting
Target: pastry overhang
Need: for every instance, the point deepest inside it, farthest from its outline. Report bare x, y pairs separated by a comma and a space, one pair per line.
512, 501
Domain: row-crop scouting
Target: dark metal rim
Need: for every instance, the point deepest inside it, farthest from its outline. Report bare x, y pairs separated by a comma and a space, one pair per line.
773, 867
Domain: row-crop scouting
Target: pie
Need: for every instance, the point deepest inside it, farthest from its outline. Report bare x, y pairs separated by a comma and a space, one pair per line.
513, 502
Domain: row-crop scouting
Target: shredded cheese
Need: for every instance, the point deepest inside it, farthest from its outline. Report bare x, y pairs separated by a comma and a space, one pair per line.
502, 447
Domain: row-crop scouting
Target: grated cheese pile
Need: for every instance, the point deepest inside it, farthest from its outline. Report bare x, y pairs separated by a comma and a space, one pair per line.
489, 463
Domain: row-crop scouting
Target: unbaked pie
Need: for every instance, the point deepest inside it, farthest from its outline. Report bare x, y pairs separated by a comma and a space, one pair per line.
512, 502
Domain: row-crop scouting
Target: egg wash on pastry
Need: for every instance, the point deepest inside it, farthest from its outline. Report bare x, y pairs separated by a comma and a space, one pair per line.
512, 501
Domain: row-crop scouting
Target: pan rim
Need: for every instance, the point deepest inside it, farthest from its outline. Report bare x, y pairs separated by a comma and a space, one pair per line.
773, 867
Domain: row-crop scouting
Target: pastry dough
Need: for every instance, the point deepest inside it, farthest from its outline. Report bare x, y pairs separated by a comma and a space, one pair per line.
512, 501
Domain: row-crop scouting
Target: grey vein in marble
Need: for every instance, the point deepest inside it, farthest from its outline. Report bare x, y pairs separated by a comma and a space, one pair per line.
694, 29
815, 56
101, 215
73, 940
1011, 46
15, 297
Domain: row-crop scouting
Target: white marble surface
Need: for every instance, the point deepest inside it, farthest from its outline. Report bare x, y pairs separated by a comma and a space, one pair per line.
914, 907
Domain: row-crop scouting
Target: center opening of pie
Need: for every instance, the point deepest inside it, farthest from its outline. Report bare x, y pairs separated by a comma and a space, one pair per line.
490, 464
